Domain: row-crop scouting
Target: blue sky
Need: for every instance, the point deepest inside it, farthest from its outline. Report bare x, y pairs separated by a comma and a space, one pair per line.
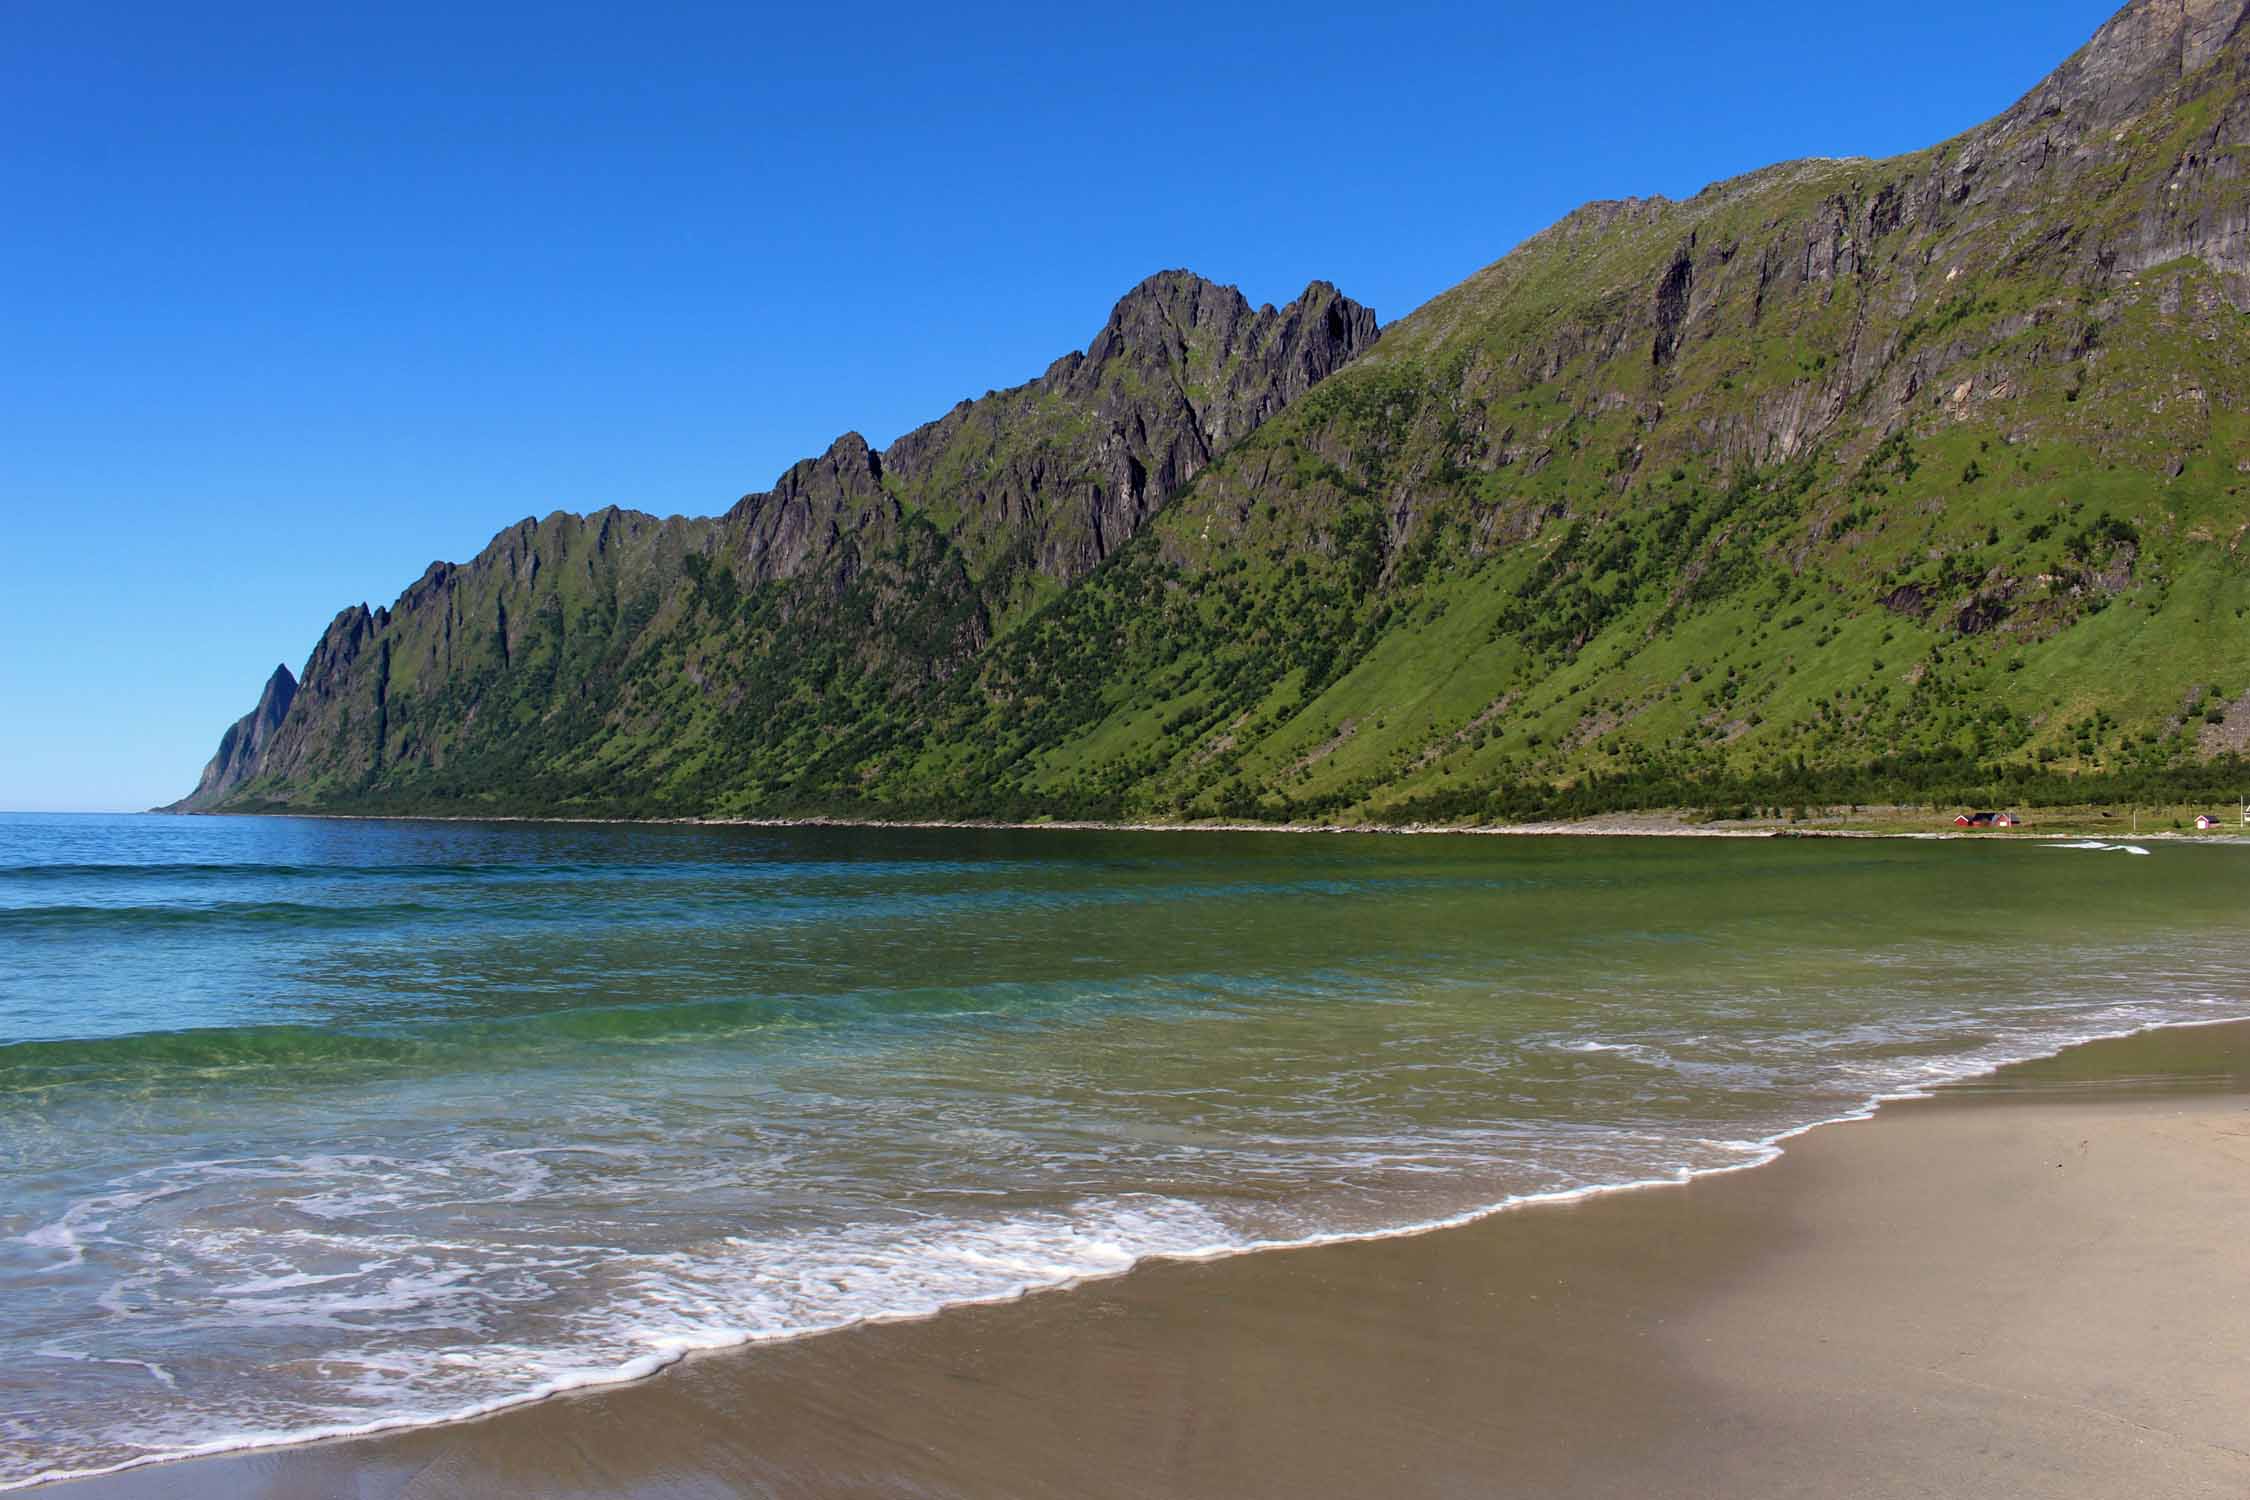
296, 302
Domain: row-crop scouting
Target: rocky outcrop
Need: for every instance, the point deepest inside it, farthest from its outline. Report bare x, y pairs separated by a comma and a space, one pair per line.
2082, 129
242, 747
1051, 477
2146, 49
811, 512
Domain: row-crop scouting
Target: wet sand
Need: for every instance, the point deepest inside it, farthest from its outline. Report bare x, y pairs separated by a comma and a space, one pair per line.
2038, 1285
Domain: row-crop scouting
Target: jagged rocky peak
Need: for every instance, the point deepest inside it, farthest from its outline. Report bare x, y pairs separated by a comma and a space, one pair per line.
341, 642
280, 688
849, 467
1212, 368
1182, 367
1175, 314
1163, 312
243, 744
781, 531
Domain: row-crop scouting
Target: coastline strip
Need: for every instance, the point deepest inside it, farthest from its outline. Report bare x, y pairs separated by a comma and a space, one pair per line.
1606, 826
1477, 1312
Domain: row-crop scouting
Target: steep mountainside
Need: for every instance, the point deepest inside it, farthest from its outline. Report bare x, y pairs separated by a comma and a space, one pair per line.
1845, 480
618, 656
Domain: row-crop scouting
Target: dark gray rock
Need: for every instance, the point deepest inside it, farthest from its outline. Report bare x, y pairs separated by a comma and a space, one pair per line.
1053, 476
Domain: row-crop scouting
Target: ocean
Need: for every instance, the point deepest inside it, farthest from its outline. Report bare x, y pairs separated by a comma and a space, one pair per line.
310, 1127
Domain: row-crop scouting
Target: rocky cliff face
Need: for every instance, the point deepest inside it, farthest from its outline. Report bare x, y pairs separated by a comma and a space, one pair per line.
1046, 480
1071, 466
242, 747
2147, 49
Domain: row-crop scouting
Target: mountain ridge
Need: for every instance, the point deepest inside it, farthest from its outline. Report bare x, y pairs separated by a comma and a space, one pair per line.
1970, 419
962, 520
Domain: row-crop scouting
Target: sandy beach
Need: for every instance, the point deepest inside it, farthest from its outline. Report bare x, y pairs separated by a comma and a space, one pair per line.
2029, 1285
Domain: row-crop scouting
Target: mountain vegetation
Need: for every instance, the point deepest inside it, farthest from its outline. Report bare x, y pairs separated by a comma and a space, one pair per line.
1847, 480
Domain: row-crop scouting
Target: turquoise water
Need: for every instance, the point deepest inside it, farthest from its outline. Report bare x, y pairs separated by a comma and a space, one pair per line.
309, 1127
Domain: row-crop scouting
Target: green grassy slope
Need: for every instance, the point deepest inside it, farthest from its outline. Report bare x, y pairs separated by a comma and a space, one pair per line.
1848, 478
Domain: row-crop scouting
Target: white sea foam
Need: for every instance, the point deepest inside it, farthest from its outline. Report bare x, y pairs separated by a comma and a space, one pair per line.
154, 1371
88, 1218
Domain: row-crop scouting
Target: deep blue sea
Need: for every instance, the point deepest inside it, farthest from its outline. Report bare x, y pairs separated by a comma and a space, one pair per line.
313, 1126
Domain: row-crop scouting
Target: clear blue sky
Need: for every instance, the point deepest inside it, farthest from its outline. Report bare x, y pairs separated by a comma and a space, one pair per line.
296, 299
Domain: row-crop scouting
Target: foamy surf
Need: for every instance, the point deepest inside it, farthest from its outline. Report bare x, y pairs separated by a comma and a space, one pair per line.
663, 1350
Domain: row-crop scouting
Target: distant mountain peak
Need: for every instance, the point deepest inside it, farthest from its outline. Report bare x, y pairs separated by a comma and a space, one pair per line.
243, 745
1201, 299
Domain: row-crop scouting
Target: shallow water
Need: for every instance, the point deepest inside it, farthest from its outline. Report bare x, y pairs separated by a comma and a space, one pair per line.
312, 1126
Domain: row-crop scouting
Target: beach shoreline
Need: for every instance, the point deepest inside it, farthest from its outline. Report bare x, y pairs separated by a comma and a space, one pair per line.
1653, 825
2203, 1071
